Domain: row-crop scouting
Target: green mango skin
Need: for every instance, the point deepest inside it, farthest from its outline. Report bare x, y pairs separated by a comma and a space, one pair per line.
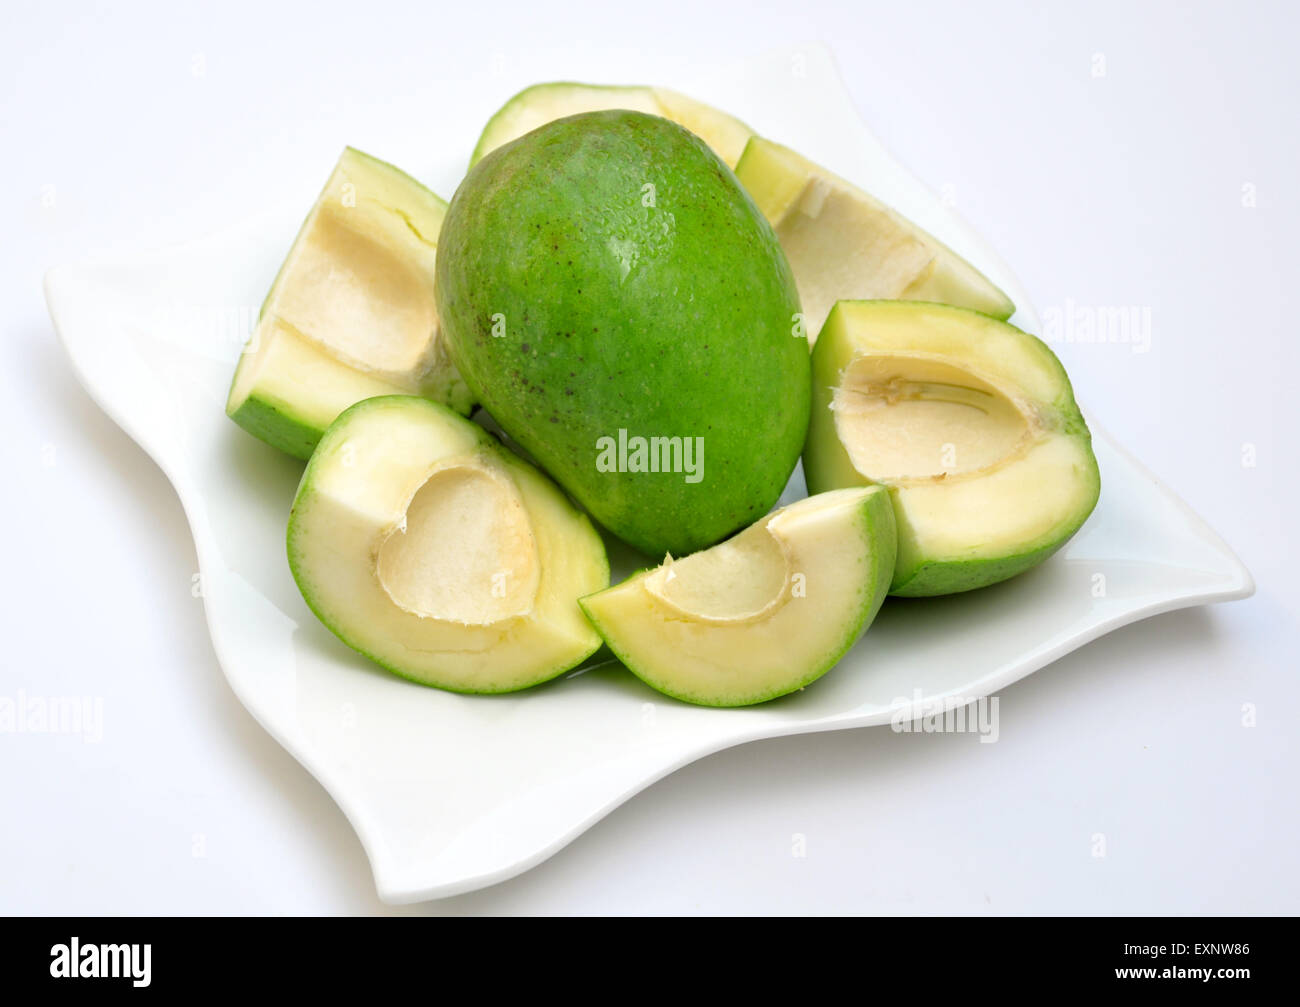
633, 285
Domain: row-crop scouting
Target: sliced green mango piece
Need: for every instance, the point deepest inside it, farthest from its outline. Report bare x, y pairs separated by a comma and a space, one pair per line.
844, 244
424, 544
351, 314
972, 425
762, 614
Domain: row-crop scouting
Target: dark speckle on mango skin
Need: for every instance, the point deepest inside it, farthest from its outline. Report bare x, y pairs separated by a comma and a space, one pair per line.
663, 316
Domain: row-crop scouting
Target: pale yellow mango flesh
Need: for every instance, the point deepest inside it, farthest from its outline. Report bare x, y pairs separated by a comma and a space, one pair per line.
465, 551
913, 417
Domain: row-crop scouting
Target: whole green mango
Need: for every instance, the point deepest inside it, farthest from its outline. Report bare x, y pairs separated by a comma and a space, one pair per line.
621, 307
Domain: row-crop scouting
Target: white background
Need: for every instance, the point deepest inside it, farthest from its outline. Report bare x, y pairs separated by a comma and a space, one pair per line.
1168, 182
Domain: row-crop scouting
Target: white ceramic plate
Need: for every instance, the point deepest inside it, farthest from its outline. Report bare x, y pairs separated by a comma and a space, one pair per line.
451, 793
